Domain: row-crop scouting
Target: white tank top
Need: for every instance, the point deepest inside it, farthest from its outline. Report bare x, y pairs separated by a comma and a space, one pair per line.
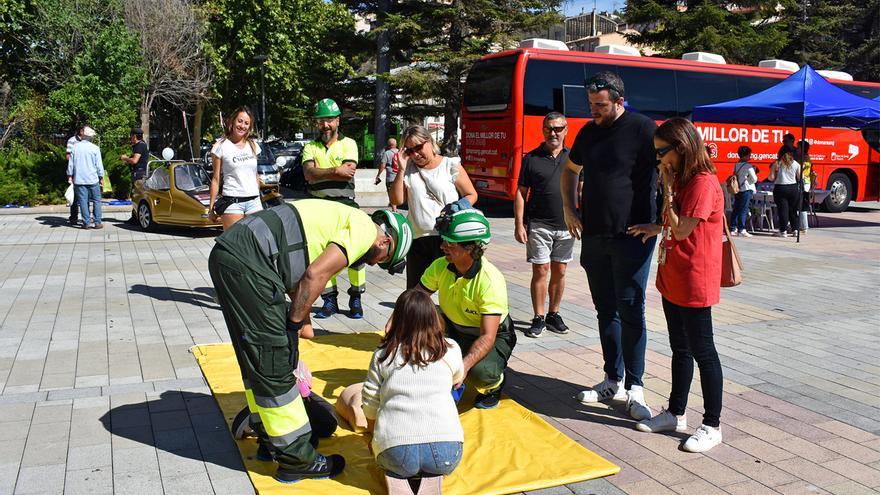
239, 167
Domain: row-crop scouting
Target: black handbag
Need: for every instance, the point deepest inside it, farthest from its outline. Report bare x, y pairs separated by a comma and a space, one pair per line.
221, 203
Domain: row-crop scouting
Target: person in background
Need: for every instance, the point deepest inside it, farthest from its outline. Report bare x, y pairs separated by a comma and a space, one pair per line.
429, 183
810, 177
234, 158
784, 174
73, 219
408, 388
140, 155
747, 178
473, 301
388, 163
540, 224
85, 170
688, 277
615, 151
787, 145
329, 165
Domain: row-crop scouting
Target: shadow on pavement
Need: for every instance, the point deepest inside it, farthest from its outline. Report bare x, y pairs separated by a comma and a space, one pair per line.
199, 296
191, 232
54, 222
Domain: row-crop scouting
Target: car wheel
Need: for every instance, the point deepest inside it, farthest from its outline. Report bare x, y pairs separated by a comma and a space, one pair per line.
841, 193
145, 217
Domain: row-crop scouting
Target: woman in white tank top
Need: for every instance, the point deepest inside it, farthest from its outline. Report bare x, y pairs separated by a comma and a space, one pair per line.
235, 161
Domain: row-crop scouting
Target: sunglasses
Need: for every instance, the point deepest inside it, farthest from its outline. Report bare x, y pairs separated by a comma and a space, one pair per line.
414, 149
556, 129
599, 84
661, 152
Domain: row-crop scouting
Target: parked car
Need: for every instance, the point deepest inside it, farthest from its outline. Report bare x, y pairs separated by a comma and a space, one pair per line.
292, 176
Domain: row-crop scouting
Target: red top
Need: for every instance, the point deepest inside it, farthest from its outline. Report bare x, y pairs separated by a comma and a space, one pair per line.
691, 273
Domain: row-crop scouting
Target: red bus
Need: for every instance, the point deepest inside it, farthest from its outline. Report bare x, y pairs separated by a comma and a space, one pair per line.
508, 93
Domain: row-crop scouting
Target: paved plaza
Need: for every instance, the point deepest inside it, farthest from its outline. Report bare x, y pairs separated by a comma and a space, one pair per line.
100, 394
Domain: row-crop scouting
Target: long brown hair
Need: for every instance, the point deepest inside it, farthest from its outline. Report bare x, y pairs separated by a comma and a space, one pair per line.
230, 121
416, 330
684, 137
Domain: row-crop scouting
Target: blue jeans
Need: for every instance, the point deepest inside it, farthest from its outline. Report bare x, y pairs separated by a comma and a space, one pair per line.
691, 339
85, 193
420, 459
617, 272
740, 210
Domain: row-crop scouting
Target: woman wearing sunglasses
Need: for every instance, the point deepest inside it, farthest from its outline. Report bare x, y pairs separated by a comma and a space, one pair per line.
429, 182
689, 276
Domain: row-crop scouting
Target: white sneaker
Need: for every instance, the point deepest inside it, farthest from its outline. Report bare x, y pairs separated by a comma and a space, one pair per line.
635, 404
602, 391
665, 421
703, 439
743, 233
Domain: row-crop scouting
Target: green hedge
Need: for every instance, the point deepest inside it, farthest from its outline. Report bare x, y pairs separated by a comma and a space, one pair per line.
29, 178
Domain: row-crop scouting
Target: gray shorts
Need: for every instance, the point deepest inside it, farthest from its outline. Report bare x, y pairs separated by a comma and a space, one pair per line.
547, 244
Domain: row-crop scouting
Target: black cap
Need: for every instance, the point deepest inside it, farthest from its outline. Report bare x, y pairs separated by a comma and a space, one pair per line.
136, 130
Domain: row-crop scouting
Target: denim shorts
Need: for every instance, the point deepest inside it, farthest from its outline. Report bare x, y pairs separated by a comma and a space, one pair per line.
421, 459
547, 244
245, 207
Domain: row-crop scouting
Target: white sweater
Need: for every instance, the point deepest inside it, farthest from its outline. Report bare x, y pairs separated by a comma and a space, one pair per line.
412, 404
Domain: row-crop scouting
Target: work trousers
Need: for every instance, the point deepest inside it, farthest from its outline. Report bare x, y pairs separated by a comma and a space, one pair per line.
256, 316
424, 251
690, 337
617, 272
488, 373
786, 197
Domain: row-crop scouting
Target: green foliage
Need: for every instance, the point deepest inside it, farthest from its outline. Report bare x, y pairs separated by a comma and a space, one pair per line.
29, 178
14, 17
301, 40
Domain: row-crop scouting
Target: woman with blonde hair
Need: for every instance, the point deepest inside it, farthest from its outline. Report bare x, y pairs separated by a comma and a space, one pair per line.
689, 277
429, 182
784, 173
234, 157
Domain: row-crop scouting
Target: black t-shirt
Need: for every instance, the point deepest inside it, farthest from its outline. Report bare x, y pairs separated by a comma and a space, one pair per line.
540, 173
620, 174
140, 168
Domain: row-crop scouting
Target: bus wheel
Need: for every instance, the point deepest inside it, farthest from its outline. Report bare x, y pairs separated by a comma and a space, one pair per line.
841, 193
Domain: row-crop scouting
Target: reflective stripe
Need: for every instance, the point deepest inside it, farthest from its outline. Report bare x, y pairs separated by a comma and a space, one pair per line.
288, 438
298, 263
292, 230
252, 405
279, 400
286, 423
486, 390
263, 235
333, 193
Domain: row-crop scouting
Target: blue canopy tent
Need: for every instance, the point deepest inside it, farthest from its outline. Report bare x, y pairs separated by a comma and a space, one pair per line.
804, 98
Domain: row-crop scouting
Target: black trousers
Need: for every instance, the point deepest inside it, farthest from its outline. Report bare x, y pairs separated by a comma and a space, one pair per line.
423, 252
786, 197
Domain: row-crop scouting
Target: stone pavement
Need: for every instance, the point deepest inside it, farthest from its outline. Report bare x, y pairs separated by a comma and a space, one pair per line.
99, 393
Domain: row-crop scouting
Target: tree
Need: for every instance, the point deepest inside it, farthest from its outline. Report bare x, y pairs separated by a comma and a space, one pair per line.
441, 40
171, 39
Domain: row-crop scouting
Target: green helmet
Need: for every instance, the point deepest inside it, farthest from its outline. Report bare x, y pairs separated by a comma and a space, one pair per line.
464, 226
403, 235
326, 108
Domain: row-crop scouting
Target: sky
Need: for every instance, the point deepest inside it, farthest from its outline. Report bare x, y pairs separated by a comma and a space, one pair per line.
574, 7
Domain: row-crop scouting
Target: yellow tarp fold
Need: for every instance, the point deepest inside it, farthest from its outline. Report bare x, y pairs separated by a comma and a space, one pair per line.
506, 450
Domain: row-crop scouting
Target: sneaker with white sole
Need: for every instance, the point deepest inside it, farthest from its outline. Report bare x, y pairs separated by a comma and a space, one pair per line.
635, 404
602, 391
703, 439
665, 421
744, 233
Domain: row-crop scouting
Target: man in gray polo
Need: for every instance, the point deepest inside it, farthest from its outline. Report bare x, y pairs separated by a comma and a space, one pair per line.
540, 223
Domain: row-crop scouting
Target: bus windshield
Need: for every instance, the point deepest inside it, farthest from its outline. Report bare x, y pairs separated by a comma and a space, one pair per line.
489, 83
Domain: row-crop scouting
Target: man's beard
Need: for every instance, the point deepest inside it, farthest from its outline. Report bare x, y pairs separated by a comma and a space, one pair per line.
327, 136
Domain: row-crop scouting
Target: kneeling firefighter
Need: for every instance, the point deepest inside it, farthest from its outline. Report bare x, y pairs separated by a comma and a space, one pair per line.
294, 249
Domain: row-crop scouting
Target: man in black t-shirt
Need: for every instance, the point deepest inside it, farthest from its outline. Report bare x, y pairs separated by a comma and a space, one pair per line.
616, 153
140, 154
540, 224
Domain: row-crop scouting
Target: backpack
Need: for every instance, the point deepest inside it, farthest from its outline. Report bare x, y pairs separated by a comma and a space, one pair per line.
395, 164
732, 184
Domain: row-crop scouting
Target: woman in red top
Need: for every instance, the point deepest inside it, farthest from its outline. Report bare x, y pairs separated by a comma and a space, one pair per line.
689, 276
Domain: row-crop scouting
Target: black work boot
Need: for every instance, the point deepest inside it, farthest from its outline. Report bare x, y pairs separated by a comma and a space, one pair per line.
356, 310
322, 468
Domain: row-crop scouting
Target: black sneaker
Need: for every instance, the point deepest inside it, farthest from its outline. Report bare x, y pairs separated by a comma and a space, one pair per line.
555, 323
488, 401
537, 327
322, 468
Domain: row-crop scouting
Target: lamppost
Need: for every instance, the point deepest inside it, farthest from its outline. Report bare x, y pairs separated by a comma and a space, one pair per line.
262, 59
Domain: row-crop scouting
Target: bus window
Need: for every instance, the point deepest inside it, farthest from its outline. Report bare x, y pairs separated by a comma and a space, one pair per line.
650, 92
702, 88
747, 86
575, 103
863, 91
543, 86
489, 83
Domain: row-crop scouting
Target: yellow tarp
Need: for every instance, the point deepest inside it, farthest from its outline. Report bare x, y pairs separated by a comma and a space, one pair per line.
506, 450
